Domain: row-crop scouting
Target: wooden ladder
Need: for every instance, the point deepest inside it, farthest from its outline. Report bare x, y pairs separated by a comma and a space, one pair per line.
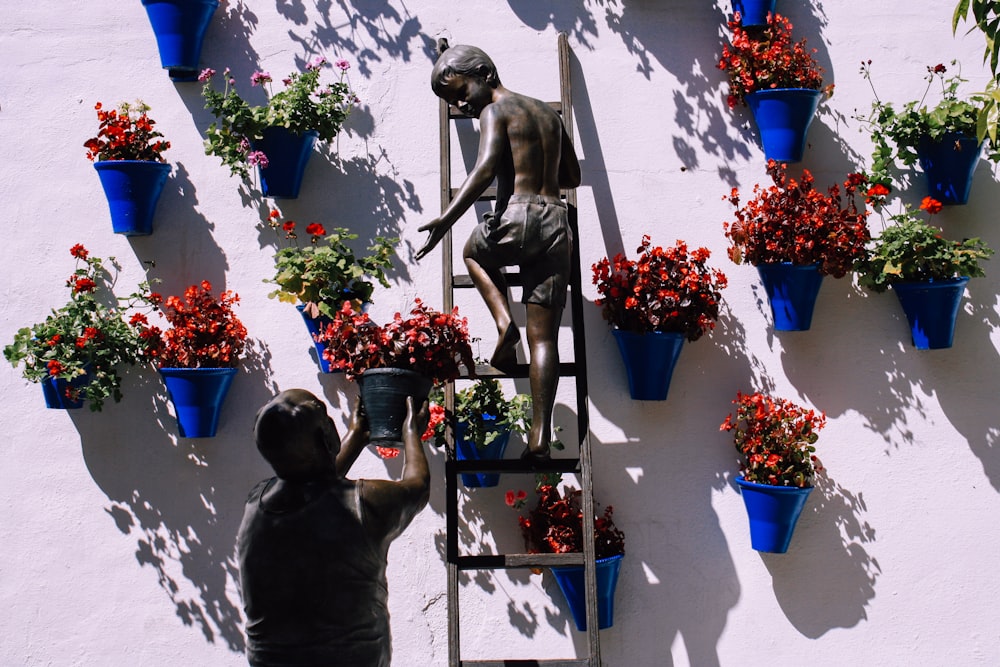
576, 368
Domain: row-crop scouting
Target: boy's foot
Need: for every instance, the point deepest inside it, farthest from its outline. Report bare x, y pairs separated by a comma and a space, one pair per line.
505, 355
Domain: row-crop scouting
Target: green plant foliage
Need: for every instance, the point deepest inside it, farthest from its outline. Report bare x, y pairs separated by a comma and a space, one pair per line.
912, 250
486, 413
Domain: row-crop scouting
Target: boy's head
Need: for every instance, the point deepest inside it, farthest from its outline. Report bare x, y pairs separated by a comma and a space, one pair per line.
296, 436
464, 60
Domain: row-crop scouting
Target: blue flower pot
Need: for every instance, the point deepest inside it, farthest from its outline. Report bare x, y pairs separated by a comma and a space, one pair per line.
649, 359
571, 582
783, 116
54, 391
753, 12
773, 512
466, 450
197, 395
791, 290
287, 156
179, 26
315, 325
383, 396
949, 165
133, 188
931, 309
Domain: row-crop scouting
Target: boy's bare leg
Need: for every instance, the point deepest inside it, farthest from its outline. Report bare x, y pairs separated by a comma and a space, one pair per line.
493, 288
543, 375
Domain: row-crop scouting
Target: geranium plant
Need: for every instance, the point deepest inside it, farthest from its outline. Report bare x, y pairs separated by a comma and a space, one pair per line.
664, 290
768, 58
204, 331
775, 438
485, 413
325, 273
555, 524
88, 336
896, 135
792, 221
910, 250
428, 342
126, 133
303, 106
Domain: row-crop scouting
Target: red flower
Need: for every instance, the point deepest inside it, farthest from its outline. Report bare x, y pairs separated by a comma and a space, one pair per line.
387, 452
55, 368
84, 285
931, 205
79, 251
288, 226
315, 229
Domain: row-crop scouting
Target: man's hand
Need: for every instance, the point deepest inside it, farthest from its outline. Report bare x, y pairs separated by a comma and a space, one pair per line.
416, 419
437, 230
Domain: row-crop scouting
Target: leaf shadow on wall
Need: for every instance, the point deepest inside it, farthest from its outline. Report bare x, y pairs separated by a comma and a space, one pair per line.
373, 28
180, 499
827, 557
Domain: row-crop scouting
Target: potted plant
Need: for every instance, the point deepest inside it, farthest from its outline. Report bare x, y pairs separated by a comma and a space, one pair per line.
483, 421
321, 276
946, 139
753, 12
780, 80
555, 525
654, 303
404, 357
197, 355
276, 137
179, 26
128, 156
775, 439
927, 272
76, 353
794, 234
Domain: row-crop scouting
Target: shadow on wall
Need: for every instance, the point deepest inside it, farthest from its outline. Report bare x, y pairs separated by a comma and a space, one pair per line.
181, 500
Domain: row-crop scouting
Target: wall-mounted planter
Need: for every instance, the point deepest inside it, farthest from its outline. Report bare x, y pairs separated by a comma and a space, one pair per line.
54, 390
179, 26
197, 395
754, 12
931, 309
773, 512
287, 156
467, 450
649, 360
571, 582
783, 116
949, 165
133, 188
791, 291
315, 325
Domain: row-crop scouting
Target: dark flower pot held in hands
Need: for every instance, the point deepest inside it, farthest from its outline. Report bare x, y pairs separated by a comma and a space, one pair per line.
383, 397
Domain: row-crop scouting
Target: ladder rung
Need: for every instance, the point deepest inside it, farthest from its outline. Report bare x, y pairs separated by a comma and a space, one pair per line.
455, 114
515, 561
454, 467
564, 662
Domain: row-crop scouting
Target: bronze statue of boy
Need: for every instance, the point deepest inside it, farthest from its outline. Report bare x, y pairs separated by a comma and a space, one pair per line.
313, 544
524, 146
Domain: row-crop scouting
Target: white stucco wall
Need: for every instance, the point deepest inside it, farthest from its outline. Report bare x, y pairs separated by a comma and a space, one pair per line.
116, 536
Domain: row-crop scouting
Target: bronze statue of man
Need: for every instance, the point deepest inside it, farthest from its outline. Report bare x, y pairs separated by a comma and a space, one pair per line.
313, 544
524, 146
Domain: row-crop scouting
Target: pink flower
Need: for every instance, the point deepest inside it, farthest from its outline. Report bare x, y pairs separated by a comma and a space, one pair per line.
260, 78
257, 158
206, 74
342, 65
318, 62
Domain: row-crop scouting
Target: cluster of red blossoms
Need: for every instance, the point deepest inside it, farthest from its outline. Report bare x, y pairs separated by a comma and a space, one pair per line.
768, 59
775, 437
556, 524
314, 229
124, 136
429, 342
204, 331
665, 290
791, 221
